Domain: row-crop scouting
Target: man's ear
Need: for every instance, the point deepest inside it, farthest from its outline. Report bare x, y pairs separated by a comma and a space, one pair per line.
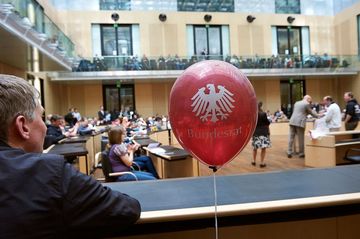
21, 127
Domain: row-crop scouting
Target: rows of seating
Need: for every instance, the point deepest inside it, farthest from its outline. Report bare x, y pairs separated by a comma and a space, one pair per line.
132, 63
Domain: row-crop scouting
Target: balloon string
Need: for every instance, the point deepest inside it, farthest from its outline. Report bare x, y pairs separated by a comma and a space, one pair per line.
215, 202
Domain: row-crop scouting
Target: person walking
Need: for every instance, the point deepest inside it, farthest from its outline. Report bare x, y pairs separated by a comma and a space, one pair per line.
261, 137
297, 124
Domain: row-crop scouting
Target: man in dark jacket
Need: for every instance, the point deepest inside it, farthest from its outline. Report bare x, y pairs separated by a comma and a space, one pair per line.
41, 196
54, 131
352, 112
70, 119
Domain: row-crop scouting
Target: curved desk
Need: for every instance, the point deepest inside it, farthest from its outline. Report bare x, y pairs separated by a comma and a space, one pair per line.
172, 162
73, 150
329, 150
320, 201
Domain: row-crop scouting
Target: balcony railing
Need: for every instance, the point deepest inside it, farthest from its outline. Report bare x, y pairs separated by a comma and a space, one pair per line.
31, 14
134, 63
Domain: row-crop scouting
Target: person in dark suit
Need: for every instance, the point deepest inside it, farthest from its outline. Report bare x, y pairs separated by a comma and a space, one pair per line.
54, 128
69, 118
101, 114
297, 124
54, 133
42, 196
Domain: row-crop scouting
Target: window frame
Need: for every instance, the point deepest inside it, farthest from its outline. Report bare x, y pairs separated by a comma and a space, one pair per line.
102, 26
288, 39
287, 8
207, 27
105, 87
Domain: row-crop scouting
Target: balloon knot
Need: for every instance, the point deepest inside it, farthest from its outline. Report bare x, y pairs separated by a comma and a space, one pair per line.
214, 168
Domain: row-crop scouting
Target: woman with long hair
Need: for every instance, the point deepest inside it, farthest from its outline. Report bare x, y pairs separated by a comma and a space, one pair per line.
121, 157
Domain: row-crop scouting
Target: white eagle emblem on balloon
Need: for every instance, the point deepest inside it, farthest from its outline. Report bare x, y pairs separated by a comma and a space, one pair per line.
213, 104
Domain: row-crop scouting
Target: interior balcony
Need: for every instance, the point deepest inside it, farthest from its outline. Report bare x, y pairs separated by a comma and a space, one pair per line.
158, 68
28, 35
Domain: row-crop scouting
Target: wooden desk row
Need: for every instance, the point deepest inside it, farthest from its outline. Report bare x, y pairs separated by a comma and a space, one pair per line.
83, 147
169, 161
329, 150
172, 162
73, 150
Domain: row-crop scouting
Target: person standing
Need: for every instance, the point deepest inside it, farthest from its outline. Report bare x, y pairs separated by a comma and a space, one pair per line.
352, 112
101, 115
41, 195
261, 136
77, 115
332, 114
297, 124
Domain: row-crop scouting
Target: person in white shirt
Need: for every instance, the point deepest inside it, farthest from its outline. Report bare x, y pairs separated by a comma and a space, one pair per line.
332, 114
77, 114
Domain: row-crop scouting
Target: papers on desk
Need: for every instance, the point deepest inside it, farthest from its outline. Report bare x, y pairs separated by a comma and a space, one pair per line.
157, 150
317, 134
161, 151
320, 129
154, 145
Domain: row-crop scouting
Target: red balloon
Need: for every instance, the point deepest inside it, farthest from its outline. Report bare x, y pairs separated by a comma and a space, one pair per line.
213, 111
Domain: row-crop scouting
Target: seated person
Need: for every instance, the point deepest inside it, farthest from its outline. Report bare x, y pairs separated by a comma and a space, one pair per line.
158, 122
41, 195
69, 118
68, 132
269, 116
121, 157
47, 120
128, 126
56, 131
279, 116
85, 128
145, 63
141, 122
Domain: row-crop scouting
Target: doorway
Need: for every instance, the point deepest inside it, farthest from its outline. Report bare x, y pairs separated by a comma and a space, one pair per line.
289, 41
291, 91
119, 99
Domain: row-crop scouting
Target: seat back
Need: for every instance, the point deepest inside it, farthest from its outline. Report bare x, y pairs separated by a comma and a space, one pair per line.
106, 166
352, 155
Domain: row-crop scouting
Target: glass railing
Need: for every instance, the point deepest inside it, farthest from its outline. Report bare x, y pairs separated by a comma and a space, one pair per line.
115, 5
58, 38
134, 63
33, 15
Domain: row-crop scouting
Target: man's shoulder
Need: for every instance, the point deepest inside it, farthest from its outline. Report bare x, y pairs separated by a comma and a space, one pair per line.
300, 103
22, 159
351, 103
52, 127
334, 106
